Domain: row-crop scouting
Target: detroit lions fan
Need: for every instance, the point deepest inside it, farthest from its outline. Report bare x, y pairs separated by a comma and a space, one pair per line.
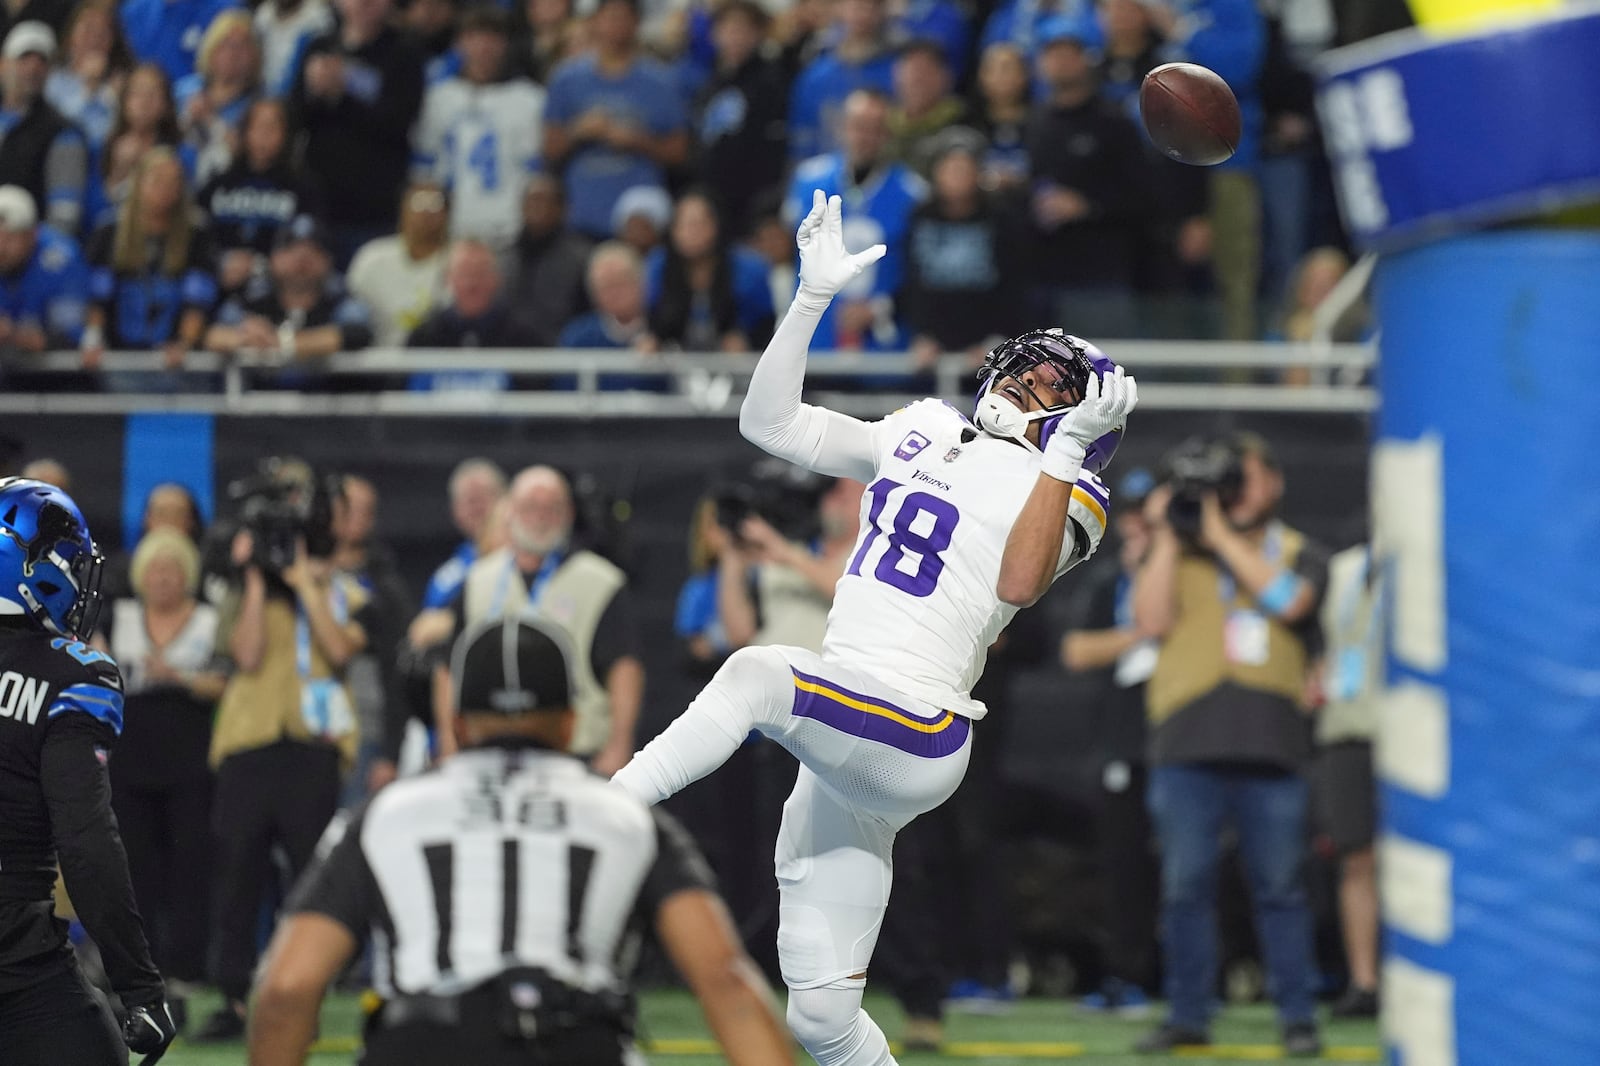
963, 523
60, 712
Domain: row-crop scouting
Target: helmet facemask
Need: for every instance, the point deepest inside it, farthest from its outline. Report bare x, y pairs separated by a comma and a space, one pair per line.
1054, 359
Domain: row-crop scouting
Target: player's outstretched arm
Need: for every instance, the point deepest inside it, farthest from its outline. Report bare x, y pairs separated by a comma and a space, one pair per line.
1034, 549
772, 417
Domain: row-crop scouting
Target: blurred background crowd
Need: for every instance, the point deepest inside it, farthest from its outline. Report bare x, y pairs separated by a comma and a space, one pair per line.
1132, 781
307, 177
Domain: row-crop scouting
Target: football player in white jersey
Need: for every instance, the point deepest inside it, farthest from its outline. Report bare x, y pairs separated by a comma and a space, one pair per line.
963, 522
479, 133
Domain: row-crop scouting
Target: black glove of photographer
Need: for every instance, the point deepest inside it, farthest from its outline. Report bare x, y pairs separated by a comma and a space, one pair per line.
149, 1030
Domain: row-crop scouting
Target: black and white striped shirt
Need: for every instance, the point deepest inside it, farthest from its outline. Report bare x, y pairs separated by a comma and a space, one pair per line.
507, 855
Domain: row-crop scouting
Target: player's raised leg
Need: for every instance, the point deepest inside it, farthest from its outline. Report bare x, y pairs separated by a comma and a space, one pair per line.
834, 873
754, 689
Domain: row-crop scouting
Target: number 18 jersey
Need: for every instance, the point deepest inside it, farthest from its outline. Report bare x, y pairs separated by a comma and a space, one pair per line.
917, 605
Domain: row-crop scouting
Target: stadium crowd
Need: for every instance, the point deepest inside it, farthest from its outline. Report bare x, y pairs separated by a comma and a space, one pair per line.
222, 632
314, 176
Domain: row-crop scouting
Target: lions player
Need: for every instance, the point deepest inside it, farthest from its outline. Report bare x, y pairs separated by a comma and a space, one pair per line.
60, 711
963, 522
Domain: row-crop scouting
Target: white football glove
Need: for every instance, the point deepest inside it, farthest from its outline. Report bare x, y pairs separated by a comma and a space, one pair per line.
825, 266
1106, 402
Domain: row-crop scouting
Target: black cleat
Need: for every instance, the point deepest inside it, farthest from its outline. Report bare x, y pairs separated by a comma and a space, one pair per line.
1169, 1036
225, 1025
1355, 1003
1300, 1040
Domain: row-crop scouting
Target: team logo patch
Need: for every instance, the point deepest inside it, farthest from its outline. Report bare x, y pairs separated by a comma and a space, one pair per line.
913, 444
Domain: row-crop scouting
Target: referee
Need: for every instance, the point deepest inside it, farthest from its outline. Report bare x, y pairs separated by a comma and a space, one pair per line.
506, 893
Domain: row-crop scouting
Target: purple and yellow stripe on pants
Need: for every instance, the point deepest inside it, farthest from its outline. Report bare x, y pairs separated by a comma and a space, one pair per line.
875, 719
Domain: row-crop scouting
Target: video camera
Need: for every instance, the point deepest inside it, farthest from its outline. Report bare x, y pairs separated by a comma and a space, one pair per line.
283, 502
1194, 468
781, 494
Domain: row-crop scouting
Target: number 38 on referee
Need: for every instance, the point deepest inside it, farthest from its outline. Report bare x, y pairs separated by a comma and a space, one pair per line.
505, 894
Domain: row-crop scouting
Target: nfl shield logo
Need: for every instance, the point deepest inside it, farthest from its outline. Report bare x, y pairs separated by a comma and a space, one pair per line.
950, 456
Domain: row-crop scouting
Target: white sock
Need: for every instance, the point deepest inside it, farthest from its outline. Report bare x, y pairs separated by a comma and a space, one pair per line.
711, 729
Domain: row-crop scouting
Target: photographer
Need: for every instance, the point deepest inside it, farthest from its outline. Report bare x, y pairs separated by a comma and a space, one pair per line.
286, 724
776, 584
1232, 594
542, 572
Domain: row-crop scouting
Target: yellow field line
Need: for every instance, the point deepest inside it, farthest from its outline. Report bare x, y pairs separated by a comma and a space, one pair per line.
1270, 1052
1006, 1049
974, 1049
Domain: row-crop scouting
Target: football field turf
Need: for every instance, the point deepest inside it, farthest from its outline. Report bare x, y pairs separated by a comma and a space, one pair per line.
1035, 1031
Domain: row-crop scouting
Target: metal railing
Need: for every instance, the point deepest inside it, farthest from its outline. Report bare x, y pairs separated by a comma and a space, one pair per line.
1176, 375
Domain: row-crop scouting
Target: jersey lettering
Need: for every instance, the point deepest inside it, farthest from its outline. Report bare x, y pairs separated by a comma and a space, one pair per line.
21, 697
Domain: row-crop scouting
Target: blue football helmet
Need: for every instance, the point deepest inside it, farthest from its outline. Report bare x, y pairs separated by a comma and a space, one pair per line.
1060, 360
49, 565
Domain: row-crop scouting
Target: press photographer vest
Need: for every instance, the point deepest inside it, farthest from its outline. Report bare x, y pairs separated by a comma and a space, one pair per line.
266, 706
1194, 658
575, 597
793, 611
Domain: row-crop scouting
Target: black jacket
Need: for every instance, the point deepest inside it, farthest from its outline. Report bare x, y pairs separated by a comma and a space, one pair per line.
960, 284
546, 285
246, 207
60, 716
23, 150
1094, 150
741, 131
493, 329
359, 145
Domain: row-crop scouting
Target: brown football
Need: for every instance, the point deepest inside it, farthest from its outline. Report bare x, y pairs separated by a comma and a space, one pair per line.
1190, 113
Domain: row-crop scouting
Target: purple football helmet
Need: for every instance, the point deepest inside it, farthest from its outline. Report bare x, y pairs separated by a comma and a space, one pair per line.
1064, 362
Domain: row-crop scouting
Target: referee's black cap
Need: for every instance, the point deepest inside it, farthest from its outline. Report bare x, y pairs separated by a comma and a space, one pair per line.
512, 666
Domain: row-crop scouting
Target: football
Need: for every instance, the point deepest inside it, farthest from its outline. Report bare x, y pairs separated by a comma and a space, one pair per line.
1190, 113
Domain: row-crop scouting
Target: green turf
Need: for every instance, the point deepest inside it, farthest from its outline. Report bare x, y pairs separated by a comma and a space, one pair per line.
1034, 1032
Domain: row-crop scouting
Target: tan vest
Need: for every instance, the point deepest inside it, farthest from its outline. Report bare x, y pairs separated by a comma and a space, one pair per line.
575, 597
1193, 658
793, 611
263, 707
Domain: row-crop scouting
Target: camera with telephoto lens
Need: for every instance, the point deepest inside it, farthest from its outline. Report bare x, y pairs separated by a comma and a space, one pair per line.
282, 503
1194, 468
781, 494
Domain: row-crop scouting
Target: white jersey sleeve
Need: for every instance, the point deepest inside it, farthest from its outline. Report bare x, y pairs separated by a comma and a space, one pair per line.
439, 107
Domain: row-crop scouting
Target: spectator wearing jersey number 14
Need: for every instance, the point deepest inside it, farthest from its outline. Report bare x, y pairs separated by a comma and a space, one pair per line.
479, 135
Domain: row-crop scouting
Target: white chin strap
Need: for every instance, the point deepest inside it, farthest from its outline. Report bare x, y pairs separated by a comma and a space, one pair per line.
999, 417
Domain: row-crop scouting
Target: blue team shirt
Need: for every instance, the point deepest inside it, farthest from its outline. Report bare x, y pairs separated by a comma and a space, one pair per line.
167, 32
819, 94
943, 23
1017, 21
447, 581
647, 95
1230, 37
186, 87
752, 296
51, 291
878, 212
